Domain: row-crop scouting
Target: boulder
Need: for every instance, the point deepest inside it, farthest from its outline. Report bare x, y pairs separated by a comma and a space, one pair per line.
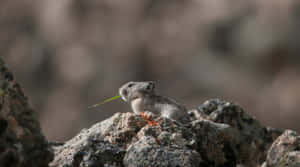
22, 143
285, 151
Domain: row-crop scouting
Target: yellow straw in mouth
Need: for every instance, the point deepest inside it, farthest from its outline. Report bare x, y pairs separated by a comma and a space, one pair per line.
105, 101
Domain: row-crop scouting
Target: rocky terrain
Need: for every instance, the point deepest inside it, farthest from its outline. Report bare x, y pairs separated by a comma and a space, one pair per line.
219, 134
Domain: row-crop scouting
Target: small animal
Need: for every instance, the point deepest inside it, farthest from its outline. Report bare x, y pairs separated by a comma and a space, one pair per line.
142, 97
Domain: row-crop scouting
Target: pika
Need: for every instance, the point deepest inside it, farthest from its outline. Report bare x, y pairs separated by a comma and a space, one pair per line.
142, 97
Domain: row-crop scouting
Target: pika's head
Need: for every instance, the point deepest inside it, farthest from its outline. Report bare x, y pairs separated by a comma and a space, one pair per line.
133, 90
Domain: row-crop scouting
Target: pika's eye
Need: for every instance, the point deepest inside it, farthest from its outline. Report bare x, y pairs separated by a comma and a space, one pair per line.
149, 87
130, 85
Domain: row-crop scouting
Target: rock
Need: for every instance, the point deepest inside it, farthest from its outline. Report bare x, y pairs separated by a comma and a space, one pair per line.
219, 134
168, 144
122, 131
21, 140
149, 152
216, 143
88, 152
250, 140
285, 151
104, 143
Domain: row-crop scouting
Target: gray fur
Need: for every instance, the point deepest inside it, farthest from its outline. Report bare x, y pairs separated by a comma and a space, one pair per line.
142, 97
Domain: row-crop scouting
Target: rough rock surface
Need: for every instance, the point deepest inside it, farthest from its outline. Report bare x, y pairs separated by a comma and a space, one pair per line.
21, 141
149, 152
219, 134
247, 140
285, 151
103, 144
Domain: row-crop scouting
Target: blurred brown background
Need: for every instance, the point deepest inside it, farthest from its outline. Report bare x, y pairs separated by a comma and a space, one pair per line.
69, 54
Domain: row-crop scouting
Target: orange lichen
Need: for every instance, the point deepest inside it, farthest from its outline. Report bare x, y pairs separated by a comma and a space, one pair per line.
147, 118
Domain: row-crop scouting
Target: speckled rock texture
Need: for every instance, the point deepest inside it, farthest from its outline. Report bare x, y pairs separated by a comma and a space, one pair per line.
285, 151
246, 141
219, 134
21, 141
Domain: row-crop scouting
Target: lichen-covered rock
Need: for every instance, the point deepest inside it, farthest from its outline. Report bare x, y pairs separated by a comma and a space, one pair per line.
88, 152
216, 143
285, 151
112, 136
120, 128
21, 142
251, 139
168, 144
169, 132
103, 143
149, 152
219, 134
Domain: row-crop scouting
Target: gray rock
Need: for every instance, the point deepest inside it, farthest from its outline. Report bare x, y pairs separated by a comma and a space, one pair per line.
87, 153
149, 152
250, 141
285, 151
104, 143
220, 134
216, 143
21, 140
128, 130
